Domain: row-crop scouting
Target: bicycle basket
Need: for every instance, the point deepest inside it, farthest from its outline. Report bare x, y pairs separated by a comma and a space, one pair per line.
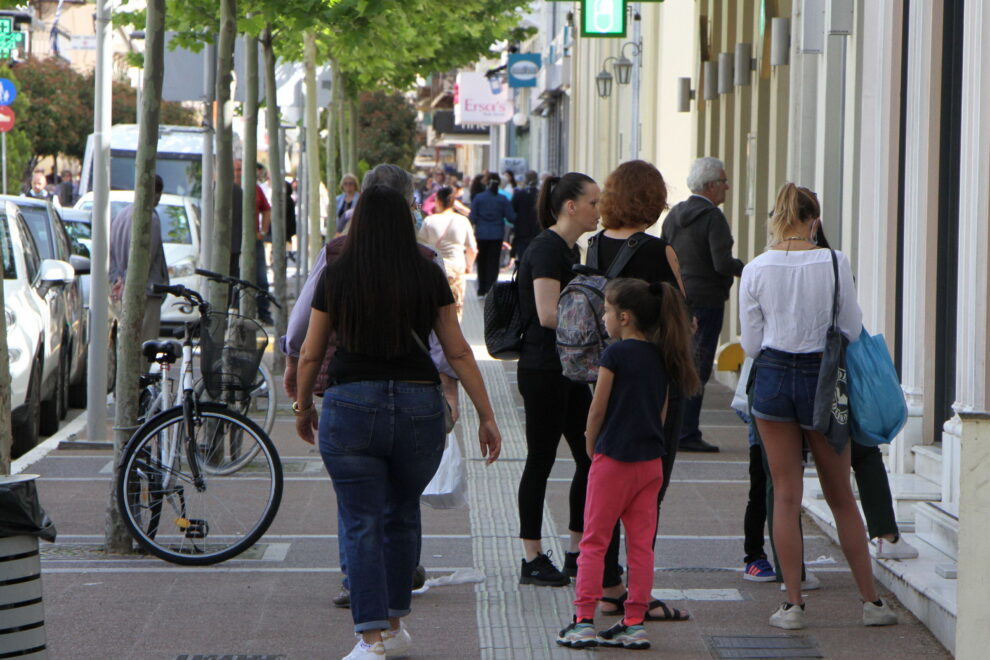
230, 349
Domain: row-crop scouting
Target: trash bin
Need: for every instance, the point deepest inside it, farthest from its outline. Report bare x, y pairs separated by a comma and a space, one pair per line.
22, 522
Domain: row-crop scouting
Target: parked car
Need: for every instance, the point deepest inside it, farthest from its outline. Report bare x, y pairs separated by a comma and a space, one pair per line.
180, 235
66, 304
29, 282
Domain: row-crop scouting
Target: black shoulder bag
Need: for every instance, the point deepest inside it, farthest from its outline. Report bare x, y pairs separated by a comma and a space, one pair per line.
831, 416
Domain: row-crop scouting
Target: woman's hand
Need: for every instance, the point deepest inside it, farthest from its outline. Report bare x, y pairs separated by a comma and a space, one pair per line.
307, 423
490, 440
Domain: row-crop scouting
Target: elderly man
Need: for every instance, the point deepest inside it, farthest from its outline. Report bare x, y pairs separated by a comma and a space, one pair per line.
702, 240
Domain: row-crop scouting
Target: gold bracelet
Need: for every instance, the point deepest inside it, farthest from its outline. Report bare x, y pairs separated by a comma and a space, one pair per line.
296, 410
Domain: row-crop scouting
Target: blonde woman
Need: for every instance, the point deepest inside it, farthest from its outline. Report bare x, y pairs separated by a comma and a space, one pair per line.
346, 200
786, 297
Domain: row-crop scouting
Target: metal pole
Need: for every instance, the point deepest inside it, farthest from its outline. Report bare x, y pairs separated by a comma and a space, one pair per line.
97, 357
3, 146
302, 211
636, 81
206, 210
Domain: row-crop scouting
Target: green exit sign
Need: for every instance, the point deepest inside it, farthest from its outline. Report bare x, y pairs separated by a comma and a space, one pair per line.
603, 18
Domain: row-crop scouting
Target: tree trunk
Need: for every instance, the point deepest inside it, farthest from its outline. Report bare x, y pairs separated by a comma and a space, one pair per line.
275, 158
6, 439
340, 109
332, 176
352, 129
249, 176
312, 147
223, 195
129, 360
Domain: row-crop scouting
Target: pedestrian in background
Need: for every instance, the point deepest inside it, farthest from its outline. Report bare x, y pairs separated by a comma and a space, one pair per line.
527, 224
509, 189
700, 235
652, 355
450, 234
39, 187
490, 211
553, 405
786, 296
66, 190
347, 199
263, 214
381, 298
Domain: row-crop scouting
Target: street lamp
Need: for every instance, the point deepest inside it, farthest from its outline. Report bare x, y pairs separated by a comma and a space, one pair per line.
604, 80
623, 65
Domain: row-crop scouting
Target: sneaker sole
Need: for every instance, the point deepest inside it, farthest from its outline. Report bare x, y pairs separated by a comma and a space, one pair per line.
632, 646
537, 582
584, 644
757, 578
787, 625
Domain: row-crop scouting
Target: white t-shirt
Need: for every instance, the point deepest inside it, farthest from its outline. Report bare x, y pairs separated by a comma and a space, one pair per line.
785, 301
450, 234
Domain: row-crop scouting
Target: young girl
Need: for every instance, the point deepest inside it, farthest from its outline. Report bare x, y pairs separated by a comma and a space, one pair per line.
624, 438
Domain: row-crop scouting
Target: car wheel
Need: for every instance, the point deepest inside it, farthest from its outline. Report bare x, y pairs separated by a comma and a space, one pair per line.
77, 391
50, 408
26, 432
63, 392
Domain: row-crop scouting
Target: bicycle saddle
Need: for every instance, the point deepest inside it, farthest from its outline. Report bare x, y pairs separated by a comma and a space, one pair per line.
162, 352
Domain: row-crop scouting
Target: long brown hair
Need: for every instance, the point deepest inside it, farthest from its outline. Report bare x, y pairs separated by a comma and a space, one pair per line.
659, 313
795, 205
381, 286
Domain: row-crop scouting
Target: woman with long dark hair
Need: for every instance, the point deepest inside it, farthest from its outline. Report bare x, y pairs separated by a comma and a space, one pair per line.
381, 429
554, 405
490, 210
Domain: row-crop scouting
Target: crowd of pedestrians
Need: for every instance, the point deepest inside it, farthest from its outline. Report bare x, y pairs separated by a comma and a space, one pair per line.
375, 333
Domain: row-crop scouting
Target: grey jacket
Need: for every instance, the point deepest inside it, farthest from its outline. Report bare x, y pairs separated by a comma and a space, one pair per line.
120, 246
700, 236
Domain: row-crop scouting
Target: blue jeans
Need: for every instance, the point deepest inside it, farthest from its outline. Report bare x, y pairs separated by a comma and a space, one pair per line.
381, 442
784, 387
705, 345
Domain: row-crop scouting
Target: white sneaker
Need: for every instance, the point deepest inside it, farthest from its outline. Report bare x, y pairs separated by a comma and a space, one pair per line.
788, 617
364, 651
878, 615
899, 549
398, 643
809, 583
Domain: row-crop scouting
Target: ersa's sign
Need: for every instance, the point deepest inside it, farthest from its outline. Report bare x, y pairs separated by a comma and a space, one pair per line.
475, 101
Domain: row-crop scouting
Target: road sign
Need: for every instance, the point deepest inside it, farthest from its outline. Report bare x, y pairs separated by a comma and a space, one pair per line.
603, 18
9, 38
7, 92
7, 118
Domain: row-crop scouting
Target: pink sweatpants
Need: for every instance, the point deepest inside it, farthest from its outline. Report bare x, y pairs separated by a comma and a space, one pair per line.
618, 490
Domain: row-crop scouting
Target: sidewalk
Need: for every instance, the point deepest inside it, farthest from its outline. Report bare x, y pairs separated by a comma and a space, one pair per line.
274, 602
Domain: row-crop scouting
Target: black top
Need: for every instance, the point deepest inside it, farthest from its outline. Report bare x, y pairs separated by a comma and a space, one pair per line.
349, 367
524, 204
546, 256
649, 263
632, 430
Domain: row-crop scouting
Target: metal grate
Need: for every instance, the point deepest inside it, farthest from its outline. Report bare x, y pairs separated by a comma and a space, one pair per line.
760, 646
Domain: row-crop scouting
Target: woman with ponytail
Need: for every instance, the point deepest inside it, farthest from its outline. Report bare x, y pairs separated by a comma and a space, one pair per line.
554, 406
786, 299
490, 211
653, 354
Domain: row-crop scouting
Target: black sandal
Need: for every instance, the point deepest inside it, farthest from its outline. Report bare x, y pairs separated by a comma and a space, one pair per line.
669, 613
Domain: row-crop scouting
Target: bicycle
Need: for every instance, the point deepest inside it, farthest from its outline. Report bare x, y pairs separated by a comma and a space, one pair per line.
200, 483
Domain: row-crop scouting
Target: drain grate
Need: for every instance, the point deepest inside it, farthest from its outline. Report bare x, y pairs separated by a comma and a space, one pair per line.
758, 646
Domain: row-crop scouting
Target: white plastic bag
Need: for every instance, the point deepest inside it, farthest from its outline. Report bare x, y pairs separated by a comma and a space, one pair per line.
448, 489
740, 402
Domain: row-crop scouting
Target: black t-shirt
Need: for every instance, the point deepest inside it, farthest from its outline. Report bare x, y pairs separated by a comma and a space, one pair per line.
349, 367
649, 263
632, 430
546, 256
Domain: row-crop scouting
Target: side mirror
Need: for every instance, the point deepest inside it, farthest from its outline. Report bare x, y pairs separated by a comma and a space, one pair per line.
80, 264
53, 271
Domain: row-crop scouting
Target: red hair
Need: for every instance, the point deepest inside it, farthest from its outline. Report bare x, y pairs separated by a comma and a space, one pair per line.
635, 195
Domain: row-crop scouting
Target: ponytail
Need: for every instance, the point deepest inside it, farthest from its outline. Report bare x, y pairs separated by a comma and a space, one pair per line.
493, 183
555, 191
795, 205
660, 313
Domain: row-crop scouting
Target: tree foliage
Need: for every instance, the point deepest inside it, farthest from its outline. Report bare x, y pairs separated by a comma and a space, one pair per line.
18, 141
60, 112
386, 129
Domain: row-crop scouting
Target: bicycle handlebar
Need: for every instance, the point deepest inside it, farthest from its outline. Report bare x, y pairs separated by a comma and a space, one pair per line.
227, 279
179, 291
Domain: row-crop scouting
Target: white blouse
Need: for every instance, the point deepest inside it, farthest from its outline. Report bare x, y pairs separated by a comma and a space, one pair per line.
785, 301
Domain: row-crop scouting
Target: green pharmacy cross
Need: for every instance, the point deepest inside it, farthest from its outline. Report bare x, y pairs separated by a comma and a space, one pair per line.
9, 39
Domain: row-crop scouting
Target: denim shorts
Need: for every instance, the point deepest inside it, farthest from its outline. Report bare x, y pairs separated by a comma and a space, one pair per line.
784, 386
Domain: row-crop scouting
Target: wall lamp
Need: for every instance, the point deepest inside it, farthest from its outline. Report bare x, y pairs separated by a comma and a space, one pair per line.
684, 95
623, 70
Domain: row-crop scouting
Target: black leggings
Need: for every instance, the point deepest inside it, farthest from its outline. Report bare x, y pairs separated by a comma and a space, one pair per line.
554, 406
489, 252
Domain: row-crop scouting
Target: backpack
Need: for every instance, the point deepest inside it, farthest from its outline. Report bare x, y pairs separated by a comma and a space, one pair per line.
503, 321
581, 334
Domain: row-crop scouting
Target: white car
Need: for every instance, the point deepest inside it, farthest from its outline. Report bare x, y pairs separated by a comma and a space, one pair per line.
28, 281
180, 236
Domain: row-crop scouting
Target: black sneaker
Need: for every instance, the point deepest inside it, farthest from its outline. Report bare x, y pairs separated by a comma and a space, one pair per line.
542, 573
570, 563
419, 578
343, 598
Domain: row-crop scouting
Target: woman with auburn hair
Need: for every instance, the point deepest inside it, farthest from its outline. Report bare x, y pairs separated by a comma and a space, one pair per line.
785, 306
634, 197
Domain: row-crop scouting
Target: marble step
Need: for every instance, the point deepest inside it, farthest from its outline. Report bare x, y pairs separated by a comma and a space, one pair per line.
937, 527
928, 462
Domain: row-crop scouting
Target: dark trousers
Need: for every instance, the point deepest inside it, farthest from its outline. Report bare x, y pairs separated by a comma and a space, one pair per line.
489, 252
554, 406
261, 280
519, 246
705, 345
756, 507
675, 407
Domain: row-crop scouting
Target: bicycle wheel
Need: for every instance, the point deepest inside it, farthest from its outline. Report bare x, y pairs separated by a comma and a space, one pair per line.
198, 522
259, 402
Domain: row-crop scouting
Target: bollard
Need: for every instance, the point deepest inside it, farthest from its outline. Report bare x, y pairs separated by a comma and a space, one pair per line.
22, 615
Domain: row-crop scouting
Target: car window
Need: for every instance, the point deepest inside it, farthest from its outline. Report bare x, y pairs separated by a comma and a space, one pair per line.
181, 175
40, 227
61, 238
78, 230
32, 259
175, 224
7, 250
